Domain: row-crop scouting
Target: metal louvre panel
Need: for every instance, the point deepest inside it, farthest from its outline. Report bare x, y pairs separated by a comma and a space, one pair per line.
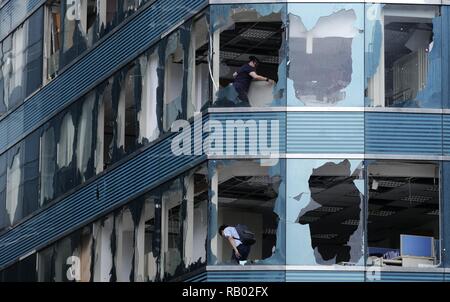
324, 276
325, 132
247, 276
403, 133
257, 117
446, 134
146, 170
137, 36
14, 12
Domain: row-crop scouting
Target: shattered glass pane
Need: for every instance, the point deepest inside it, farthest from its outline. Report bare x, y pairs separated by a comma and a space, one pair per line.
124, 252
103, 255
13, 185
326, 63
250, 193
172, 229
173, 79
149, 126
239, 32
21, 62
325, 212
4, 220
48, 165
198, 69
403, 52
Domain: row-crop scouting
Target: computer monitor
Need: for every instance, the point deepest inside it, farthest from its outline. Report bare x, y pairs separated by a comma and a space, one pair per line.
417, 246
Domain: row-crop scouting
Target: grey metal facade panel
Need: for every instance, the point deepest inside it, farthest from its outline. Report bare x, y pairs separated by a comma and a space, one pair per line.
14, 12
141, 173
138, 35
403, 133
325, 276
411, 276
325, 132
246, 276
257, 117
446, 134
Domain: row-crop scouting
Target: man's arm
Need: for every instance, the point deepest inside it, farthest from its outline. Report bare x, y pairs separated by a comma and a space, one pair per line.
233, 244
257, 77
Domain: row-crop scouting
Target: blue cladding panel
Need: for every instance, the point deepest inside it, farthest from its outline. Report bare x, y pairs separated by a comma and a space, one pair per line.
14, 12
247, 276
325, 276
148, 169
407, 276
325, 132
138, 35
403, 133
317, 276
446, 134
269, 117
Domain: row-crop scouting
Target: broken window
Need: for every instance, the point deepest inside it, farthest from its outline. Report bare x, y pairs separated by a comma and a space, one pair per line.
47, 164
184, 223
31, 175
326, 63
403, 56
85, 138
53, 38
403, 214
23, 271
107, 15
67, 260
14, 188
73, 26
21, 62
4, 220
325, 212
124, 252
109, 123
172, 228
103, 254
248, 193
147, 237
173, 79
241, 31
120, 97
150, 107
65, 151
198, 74
132, 90
78, 17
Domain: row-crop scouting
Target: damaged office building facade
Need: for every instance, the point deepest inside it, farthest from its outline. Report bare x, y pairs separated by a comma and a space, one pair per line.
356, 186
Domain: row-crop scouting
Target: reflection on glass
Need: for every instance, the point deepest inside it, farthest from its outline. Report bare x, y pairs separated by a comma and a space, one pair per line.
403, 56
326, 55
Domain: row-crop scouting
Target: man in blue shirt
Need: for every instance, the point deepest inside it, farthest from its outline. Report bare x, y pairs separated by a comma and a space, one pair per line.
244, 77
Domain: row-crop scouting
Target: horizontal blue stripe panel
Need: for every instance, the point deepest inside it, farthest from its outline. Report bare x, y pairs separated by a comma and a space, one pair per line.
403, 133
325, 132
146, 170
446, 134
14, 12
266, 124
411, 277
202, 277
325, 276
130, 40
247, 276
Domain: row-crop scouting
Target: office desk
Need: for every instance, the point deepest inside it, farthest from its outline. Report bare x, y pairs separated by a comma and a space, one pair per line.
410, 261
